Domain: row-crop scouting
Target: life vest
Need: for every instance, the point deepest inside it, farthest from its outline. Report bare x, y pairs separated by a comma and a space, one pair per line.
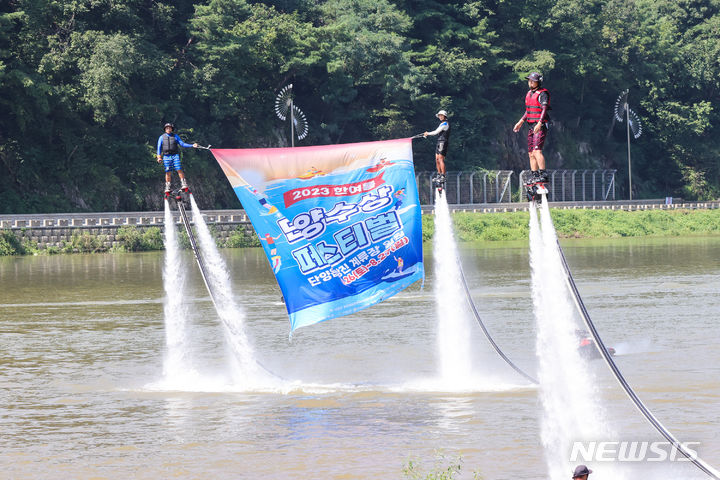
169, 144
444, 135
533, 108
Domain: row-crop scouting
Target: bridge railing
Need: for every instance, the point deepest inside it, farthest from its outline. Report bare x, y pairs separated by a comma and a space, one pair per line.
496, 186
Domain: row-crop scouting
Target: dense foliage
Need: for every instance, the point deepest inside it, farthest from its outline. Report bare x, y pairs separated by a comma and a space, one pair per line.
86, 85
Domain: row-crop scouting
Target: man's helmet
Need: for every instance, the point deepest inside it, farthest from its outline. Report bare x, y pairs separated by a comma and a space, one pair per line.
171, 125
441, 112
535, 77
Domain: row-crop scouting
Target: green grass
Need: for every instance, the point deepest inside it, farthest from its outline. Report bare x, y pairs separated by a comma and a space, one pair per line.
443, 468
505, 226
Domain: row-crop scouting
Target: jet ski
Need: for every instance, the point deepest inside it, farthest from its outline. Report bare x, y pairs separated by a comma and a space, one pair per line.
586, 345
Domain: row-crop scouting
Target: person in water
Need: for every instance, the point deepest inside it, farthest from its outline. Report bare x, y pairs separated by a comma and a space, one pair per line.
581, 472
537, 105
169, 154
443, 133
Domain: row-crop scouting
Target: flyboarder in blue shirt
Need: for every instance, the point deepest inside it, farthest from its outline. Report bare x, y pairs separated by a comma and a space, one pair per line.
169, 153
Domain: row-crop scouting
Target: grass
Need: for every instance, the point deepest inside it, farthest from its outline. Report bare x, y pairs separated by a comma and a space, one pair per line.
443, 468
505, 226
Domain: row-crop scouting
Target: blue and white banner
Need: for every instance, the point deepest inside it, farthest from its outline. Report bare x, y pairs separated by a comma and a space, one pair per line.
340, 224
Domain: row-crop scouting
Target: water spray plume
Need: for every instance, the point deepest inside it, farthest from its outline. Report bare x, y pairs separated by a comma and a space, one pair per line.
454, 347
231, 315
177, 349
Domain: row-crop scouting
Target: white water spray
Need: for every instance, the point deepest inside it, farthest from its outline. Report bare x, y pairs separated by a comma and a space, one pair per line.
177, 349
571, 409
244, 365
454, 324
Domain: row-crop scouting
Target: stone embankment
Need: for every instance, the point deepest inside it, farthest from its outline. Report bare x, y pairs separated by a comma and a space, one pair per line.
53, 229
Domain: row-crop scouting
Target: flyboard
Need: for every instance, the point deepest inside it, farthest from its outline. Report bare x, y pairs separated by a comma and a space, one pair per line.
438, 182
607, 356
535, 189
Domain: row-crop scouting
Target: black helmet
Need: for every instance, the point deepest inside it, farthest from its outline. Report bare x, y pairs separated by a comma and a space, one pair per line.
171, 125
581, 470
535, 77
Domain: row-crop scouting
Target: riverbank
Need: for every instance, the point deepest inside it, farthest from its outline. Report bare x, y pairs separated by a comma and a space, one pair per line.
469, 227
507, 226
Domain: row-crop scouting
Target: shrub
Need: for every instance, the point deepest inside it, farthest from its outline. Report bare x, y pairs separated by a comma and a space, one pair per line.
85, 243
10, 244
443, 469
134, 240
152, 239
130, 238
241, 239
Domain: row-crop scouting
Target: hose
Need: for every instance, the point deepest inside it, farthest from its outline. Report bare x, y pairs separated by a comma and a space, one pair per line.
486, 331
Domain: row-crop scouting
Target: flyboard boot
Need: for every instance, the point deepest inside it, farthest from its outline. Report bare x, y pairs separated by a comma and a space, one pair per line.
168, 189
182, 194
438, 182
536, 185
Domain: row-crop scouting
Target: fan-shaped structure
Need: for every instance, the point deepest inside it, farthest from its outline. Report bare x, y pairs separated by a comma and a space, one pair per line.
285, 107
283, 102
300, 123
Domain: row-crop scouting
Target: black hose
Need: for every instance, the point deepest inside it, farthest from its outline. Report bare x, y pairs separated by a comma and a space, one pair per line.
193, 244
486, 331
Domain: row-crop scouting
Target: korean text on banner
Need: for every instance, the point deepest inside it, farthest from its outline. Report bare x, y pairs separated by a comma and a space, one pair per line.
340, 224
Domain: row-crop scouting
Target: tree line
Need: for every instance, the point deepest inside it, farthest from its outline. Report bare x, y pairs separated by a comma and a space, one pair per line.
86, 86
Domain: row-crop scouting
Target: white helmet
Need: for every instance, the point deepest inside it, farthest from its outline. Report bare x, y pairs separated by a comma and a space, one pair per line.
441, 112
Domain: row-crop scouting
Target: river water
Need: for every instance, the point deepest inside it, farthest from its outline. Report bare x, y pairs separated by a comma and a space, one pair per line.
81, 363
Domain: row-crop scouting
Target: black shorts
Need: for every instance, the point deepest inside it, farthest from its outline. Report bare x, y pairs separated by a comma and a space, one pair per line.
441, 148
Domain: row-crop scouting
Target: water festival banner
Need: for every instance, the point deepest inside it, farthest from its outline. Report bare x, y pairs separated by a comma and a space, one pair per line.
340, 224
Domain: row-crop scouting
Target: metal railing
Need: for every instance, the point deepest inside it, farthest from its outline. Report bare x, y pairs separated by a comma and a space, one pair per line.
579, 185
468, 187
495, 186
